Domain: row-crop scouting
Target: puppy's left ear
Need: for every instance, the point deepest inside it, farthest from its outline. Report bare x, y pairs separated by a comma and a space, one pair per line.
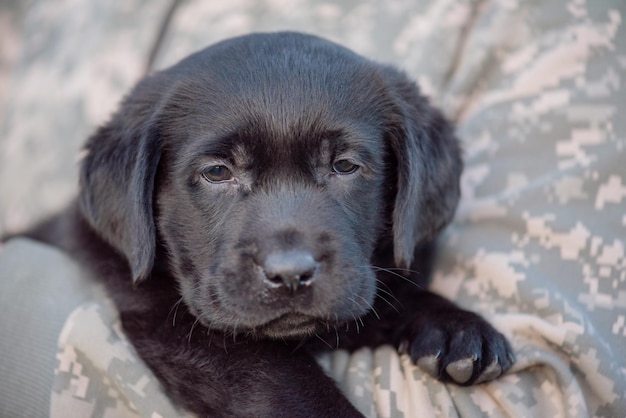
117, 179
429, 167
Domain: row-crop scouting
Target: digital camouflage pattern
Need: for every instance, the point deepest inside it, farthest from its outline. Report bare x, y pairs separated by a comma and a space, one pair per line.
537, 89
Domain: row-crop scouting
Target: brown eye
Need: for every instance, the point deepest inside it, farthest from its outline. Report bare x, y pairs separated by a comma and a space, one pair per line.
217, 174
344, 167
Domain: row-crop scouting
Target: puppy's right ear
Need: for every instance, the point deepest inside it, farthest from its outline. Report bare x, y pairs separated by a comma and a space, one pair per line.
428, 167
117, 180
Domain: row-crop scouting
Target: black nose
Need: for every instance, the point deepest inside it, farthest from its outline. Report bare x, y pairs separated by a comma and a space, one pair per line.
290, 269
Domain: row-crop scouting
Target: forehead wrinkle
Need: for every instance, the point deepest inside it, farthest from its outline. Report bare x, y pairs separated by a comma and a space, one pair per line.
241, 157
318, 143
364, 141
194, 153
261, 141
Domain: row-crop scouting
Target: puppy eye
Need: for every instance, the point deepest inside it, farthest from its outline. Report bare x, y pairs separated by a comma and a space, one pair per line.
217, 174
344, 167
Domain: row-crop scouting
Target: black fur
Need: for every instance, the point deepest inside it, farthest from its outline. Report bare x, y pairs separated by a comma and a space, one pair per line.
227, 285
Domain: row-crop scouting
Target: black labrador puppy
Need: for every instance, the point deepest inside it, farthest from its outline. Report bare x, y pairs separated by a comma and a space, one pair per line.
265, 198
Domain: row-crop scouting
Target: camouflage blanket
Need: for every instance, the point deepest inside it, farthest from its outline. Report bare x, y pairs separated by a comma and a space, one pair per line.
537, 90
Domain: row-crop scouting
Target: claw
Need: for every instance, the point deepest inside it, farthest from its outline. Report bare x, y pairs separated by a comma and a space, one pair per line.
512, 358
491, 372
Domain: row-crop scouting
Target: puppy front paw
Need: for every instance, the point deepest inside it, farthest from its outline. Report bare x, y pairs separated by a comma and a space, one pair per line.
457, 346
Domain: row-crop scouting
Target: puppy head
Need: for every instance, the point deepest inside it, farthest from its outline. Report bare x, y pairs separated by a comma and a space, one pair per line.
263, 165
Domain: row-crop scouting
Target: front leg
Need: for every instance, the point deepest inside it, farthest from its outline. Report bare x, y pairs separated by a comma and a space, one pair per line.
447, 342
213, 375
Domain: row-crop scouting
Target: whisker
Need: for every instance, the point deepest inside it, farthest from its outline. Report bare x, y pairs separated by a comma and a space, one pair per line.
397, 275
192, 328
369, 305
384, 299
321, 339
298, 346
224, 343
376, 313
210, 336
389, 303
174, 308
380, 282
396, 269
387, 292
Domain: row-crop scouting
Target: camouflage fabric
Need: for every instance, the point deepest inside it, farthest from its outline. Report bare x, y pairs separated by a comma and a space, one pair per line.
77, 58
536, 88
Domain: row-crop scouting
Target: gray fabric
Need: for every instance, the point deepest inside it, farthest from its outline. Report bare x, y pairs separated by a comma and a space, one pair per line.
537, 90
40, 287
77, 59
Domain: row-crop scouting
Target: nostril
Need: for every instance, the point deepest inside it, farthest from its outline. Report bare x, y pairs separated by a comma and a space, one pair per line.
290, 269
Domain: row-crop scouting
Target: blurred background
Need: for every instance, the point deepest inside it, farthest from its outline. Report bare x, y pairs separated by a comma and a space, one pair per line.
65, 64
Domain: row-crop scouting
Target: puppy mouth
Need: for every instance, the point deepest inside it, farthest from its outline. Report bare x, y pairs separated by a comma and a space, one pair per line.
289, 325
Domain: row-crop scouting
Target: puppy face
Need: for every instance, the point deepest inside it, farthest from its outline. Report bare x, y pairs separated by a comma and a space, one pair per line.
271, 219
272, 168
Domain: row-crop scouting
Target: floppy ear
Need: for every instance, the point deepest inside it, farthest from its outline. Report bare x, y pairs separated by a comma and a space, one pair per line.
117, 181
429, 167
